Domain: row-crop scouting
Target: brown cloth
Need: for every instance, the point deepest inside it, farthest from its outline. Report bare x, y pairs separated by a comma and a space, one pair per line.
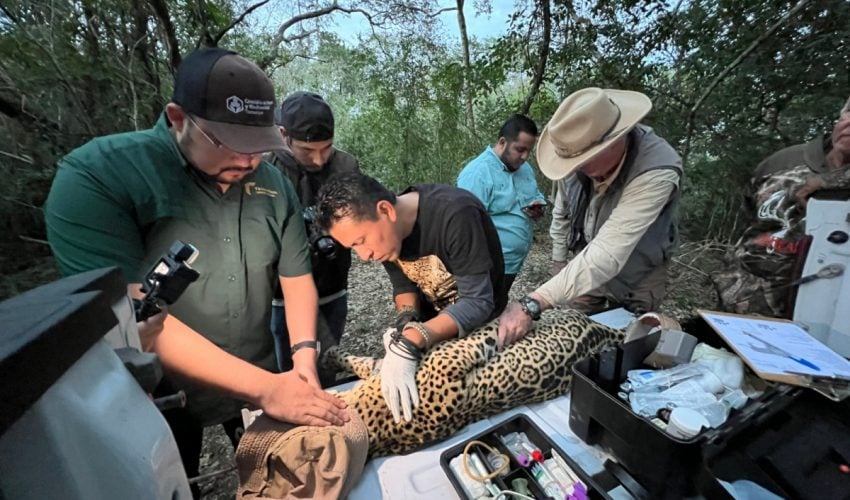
281, 460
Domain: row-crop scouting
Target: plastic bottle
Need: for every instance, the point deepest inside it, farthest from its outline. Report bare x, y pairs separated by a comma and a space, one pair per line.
734, 399
715, 413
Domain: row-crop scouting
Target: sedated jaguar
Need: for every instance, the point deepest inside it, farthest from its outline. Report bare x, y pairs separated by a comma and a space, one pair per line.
464, 380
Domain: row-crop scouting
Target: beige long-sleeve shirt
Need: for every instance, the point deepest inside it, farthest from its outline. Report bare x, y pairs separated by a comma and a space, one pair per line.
606, 254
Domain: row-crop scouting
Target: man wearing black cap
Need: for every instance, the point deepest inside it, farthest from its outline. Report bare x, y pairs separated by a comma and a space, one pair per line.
309, 160
198, 176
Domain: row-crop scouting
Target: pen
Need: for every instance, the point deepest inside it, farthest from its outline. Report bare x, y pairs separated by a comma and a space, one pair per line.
805, 362
778, 351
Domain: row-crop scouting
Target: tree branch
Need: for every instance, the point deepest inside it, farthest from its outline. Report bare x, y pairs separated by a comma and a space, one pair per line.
728, 69
9, 14
21, 158
373, 19
429, 14
280, 37
300, 36
238, 20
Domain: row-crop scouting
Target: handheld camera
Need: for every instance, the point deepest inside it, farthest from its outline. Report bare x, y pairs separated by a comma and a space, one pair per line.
167, 279
321, 244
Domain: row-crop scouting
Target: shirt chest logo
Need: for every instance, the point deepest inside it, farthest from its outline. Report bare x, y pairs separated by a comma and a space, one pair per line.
251, 188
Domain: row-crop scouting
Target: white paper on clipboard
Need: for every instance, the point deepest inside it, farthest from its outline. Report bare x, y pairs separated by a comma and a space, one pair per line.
776, 349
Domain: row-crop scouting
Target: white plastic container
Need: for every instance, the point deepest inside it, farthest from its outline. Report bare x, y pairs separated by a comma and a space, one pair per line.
685, 423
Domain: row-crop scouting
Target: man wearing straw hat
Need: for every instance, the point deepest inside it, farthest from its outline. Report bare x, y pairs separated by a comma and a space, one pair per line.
615, 209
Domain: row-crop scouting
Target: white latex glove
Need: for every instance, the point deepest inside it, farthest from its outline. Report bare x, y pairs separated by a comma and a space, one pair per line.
398, 380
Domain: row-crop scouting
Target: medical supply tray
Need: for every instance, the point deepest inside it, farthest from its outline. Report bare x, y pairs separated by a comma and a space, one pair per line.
770, 441
596, 485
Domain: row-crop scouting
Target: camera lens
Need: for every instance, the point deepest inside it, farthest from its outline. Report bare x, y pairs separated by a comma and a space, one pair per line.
325, 246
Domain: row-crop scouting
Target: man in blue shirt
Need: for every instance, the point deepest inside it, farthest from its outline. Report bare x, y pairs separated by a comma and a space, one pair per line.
504, 182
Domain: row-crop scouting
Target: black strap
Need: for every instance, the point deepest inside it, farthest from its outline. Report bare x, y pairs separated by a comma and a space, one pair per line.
304, 344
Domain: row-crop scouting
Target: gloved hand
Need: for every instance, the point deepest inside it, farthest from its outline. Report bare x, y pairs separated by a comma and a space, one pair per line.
398, 379
404, 317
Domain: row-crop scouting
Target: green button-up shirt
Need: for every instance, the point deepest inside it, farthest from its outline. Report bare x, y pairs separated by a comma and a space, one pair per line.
123, 199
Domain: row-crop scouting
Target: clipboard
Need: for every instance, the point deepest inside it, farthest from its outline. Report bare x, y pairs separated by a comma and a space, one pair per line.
779, 350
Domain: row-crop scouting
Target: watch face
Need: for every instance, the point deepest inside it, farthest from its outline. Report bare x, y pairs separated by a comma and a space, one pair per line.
531, 307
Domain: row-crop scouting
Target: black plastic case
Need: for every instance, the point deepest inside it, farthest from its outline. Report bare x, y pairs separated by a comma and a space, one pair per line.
596, 485
756, 443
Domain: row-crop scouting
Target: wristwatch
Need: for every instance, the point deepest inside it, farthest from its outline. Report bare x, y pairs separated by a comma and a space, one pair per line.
307, 344
530, 306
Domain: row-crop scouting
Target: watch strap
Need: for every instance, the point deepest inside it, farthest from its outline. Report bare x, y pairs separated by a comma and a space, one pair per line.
306, 344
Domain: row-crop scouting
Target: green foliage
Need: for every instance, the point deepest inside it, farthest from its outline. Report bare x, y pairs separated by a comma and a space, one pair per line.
786, 91
73, 70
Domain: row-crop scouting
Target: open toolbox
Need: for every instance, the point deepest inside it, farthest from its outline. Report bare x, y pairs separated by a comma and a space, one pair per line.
772, 440
592, 487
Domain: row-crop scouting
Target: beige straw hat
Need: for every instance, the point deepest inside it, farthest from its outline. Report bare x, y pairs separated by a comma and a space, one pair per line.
277, 460
585, 123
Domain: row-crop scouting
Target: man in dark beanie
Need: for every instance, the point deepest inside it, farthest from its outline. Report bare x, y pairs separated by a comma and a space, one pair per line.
198, 176
309, 159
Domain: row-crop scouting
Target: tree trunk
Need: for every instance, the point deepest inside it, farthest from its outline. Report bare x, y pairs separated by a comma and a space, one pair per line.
542, 56
467, 68
161, 9
145, 105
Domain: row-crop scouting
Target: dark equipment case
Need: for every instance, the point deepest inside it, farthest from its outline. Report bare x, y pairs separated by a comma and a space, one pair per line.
791, 441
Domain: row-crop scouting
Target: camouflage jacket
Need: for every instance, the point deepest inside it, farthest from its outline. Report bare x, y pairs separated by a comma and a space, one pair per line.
769, 245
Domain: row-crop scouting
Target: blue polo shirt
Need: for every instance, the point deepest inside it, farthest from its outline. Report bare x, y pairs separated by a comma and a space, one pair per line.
504, 194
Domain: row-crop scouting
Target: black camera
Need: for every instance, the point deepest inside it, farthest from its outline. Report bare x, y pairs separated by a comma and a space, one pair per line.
167, 279
321, 244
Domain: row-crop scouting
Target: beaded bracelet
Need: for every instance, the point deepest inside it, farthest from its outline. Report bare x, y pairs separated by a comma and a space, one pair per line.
420, 327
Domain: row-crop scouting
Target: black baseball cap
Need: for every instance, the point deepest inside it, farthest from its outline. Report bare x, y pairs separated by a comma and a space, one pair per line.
233, 95
306, 117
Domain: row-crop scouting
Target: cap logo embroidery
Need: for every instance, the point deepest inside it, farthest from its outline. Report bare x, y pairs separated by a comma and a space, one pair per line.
235, 104
258, 106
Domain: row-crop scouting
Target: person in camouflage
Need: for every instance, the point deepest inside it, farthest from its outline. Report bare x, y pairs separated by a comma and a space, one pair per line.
766, 256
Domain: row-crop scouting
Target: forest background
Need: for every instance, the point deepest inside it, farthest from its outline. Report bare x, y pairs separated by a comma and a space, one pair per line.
416, 96
417, 91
